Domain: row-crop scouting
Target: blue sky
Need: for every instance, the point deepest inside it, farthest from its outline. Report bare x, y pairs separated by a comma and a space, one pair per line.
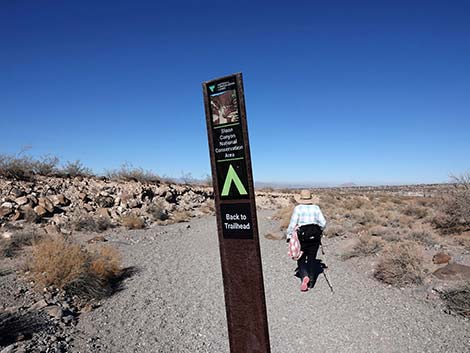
336, 92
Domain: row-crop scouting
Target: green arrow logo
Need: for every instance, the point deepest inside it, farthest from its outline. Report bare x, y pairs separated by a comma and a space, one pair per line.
212, 88
232, 176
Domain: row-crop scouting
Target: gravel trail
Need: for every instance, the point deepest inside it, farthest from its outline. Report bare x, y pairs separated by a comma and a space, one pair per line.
175, 302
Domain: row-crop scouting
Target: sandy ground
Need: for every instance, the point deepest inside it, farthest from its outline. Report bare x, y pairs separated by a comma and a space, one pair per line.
174, 303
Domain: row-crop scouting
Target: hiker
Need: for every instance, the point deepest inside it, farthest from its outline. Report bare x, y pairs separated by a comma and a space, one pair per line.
307, 219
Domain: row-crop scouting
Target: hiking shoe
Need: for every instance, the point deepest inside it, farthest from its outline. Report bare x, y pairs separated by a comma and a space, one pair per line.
304, 285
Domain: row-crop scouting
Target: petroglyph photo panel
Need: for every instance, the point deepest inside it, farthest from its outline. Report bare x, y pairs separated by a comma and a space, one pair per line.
224, 107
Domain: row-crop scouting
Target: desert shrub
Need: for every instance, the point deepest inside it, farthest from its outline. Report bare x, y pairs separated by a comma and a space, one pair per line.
103, 223
16, 167
283, 215
11, 246
129, 173
106, 262
84, 223
455, 207
67, 265
132, 221
379, 231
334, 230
458, 300
46, 165
423, 236
415, 211
75, 168
158, 212
56, 261
400, 265
365, 245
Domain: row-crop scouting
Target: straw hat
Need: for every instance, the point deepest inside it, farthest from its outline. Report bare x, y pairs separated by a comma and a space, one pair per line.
305, 198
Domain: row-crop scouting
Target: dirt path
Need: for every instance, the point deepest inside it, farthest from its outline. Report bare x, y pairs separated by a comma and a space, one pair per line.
175, 303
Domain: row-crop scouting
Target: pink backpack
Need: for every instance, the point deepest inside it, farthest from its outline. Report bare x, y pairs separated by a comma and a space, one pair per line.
293, 250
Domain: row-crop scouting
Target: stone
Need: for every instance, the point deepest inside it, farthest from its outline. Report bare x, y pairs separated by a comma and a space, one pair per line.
40, 210
105, 201
453, 272
38, 305
16, 216
88, 207
103, 212
60, 200
54, 311
97, 239
84, 197
46, 203
33, 200
441, 258
5, 211
21, 200
8, 349
52, 229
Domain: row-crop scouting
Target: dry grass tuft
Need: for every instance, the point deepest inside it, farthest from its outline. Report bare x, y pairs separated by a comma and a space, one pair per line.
57, 262
10, 247
458, 300
423, 236
132, 221
365, 245
400, 265
181, 216
66, 265
283, 215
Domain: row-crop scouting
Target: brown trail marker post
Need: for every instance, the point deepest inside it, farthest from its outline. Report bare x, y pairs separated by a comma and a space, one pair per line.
236, 215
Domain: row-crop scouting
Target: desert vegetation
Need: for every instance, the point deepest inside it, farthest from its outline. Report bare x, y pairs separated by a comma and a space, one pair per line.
397, 230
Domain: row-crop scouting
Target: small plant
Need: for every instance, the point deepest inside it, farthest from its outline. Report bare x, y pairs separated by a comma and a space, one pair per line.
16, 167
11, 246
127, 172
132, 221
283, 215
365, 245
454, 213
84, 223
76, 168
423, 236
458, 300
400, 265
46, 165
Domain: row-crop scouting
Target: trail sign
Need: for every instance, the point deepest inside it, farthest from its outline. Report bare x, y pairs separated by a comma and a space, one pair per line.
236, 215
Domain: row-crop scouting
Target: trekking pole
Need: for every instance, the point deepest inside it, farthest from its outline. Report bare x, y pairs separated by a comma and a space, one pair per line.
324, 274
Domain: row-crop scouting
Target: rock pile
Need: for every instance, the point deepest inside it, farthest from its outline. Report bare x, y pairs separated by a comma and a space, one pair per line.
56, 203
61, 204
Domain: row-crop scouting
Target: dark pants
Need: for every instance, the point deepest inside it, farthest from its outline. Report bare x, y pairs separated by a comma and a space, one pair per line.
307, 264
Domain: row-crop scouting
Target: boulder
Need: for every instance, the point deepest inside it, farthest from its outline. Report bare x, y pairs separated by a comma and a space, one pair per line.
105, 201
54, 311
441, 258
16, 216
60, 200
38, 305
46, 203
21, 200
5, 211
103, 212
52, 229
40, 210
453, 272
